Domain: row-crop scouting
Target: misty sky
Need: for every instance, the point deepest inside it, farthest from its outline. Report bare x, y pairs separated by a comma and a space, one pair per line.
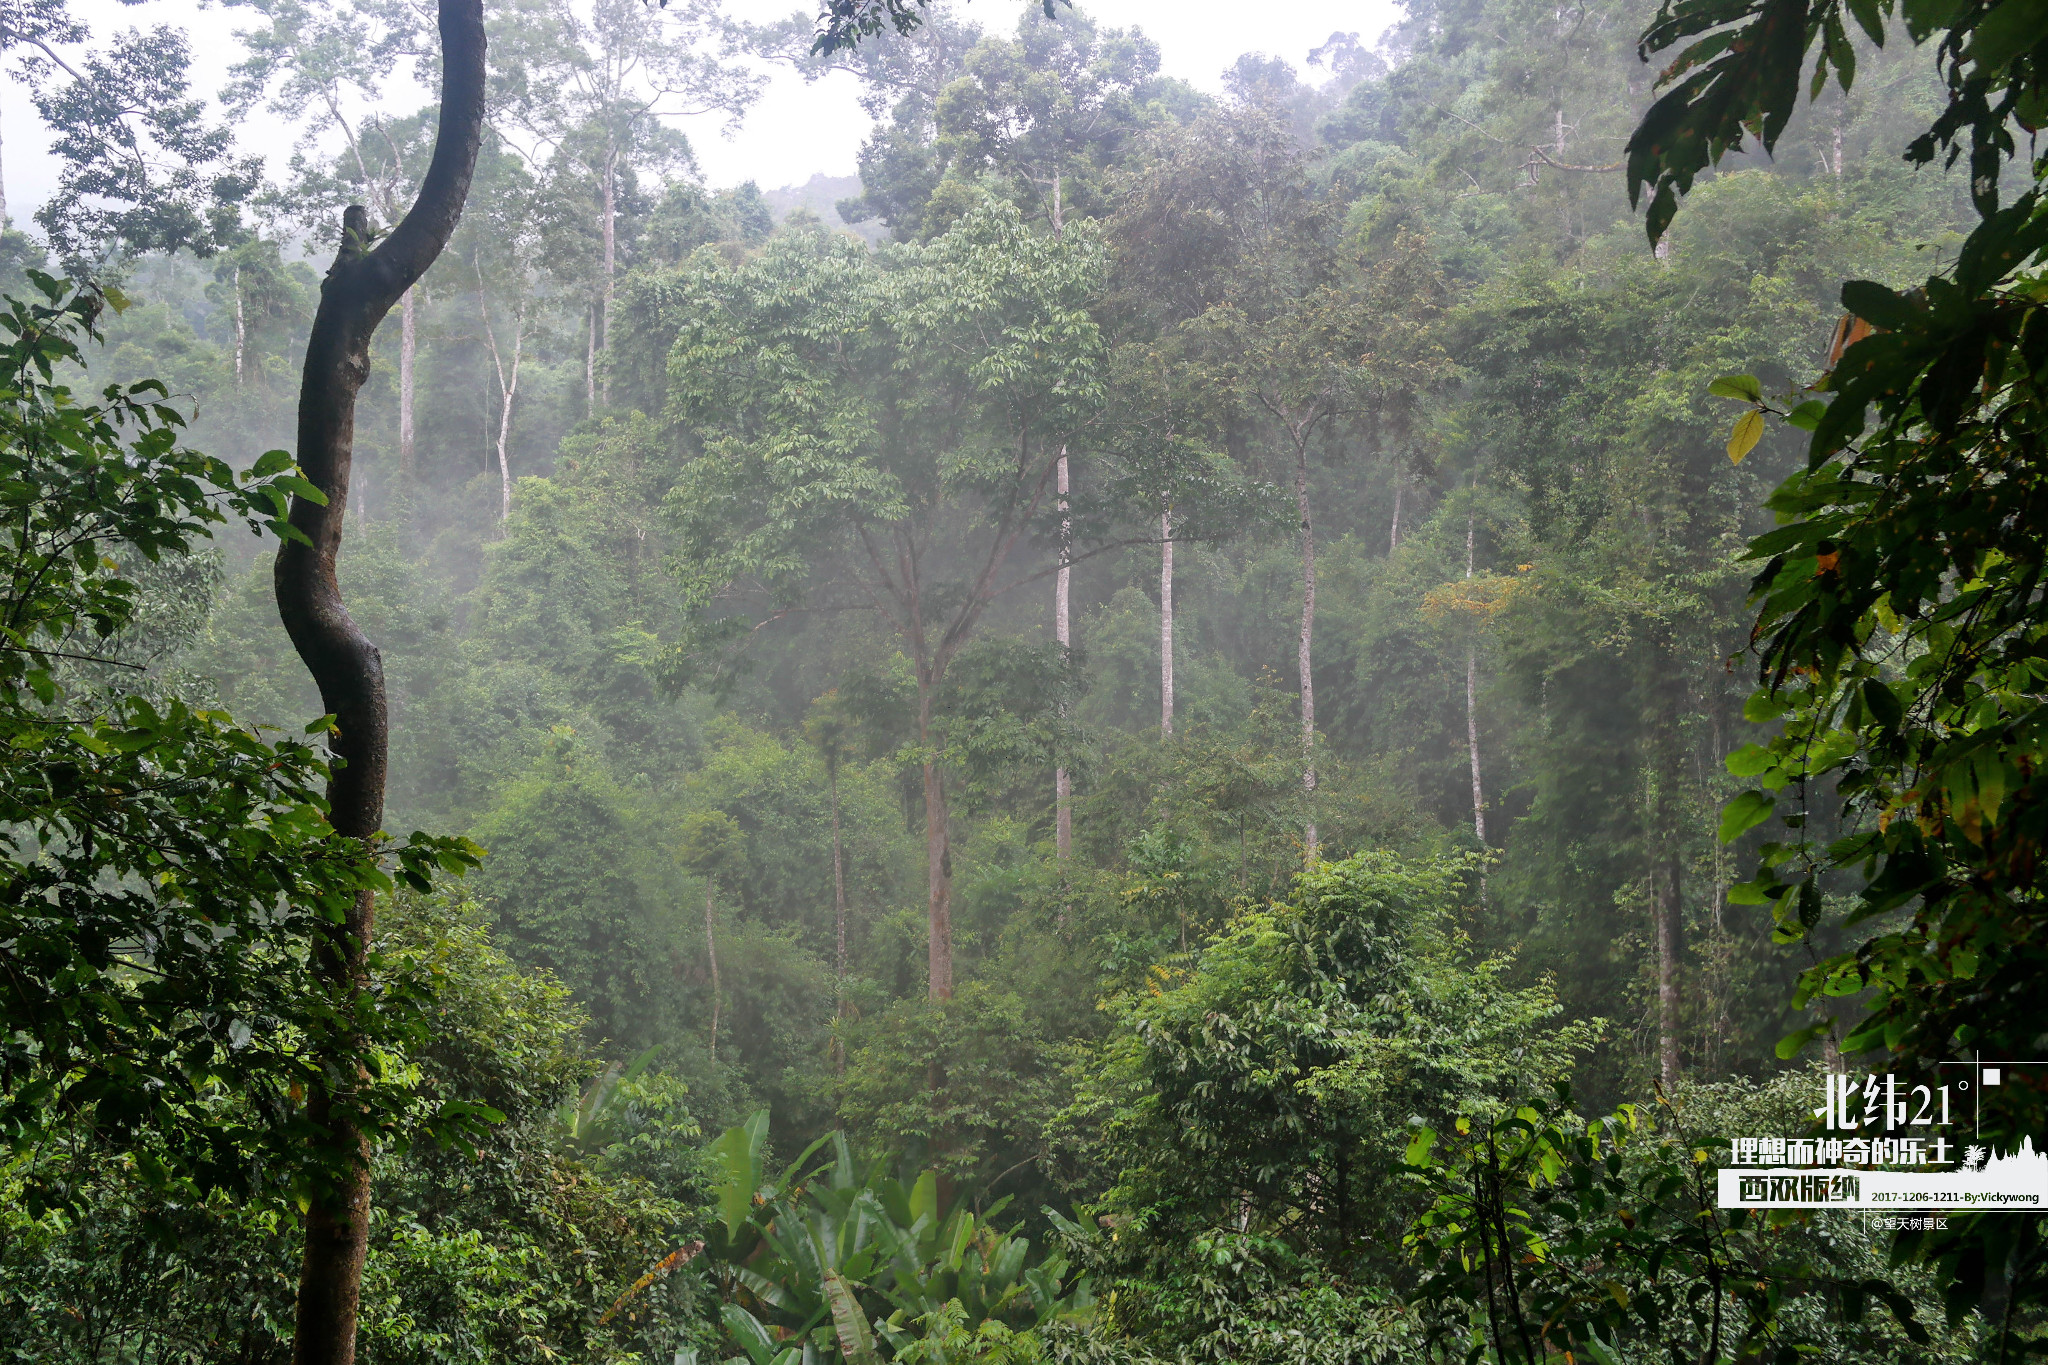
795, 131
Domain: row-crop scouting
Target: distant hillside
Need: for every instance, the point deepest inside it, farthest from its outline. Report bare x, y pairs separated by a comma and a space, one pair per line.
821, 195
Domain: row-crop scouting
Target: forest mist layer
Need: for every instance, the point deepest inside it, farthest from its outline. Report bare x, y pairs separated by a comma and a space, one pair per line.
1145, 559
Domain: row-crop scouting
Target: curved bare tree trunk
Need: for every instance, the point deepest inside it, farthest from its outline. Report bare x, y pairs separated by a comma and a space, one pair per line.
361, 287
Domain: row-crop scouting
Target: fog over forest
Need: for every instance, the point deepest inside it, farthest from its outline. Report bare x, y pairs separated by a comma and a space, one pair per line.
1177, 725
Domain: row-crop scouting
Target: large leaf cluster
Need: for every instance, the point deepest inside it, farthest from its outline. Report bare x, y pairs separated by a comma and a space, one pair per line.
165, 869
1739, 76
839, 1262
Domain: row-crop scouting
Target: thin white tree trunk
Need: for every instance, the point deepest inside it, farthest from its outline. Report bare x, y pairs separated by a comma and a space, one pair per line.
1670, 932
241, 328
1166, 622
408, 349
508, 387
511, 389
711, 951
1394, 536
611, 217
1063, 632
1472, 707
1304, 651
590, 366
838, 916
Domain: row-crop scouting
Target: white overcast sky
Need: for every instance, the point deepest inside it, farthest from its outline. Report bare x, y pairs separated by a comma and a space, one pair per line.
795, 131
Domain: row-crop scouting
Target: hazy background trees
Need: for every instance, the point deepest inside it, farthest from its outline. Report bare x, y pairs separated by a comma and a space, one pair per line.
653, 476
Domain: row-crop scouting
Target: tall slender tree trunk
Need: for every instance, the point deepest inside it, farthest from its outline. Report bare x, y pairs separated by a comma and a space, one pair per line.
505, 425
508, 390
3, 193
408, 353
361, 287
1472, 707
1394, 535
1670, 929
590, 367
1063, 632
838, 921
1304, 652
938, 852
611, 221
1166, 622
711, 951
241, 327
1667, 817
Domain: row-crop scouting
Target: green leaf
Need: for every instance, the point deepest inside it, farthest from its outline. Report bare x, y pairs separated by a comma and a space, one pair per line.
1741, 387
1751, 760
270, 462
1745, 813
849, 1324
747, 1330
1792, 1044
2007, 31
1882, 703
1750, 893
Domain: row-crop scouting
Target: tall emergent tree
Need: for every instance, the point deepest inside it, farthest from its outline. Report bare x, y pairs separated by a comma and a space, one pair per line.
880, 434
1298, 327
591, 88
361, 287
311, 64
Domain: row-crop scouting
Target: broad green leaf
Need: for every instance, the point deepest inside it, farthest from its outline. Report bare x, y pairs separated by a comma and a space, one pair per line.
747, 1330
1744, 813
1741, 387
2007, 31
849, 1324
1879, 306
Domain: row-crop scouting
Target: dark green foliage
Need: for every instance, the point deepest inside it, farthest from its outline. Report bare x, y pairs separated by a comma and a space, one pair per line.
763, 580
141, 167
568, 876
166, 868
1246, 1108
512, 1247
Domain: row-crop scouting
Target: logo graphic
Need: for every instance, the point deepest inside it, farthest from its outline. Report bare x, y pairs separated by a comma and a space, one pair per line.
1888, 1145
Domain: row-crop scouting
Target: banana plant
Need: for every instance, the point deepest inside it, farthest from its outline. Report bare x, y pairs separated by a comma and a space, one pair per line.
585, 1121
829, 1263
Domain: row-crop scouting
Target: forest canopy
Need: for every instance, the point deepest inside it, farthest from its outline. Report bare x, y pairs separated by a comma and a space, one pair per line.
1252, 724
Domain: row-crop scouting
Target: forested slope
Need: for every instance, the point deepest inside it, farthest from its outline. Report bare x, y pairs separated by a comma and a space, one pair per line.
1207, 639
